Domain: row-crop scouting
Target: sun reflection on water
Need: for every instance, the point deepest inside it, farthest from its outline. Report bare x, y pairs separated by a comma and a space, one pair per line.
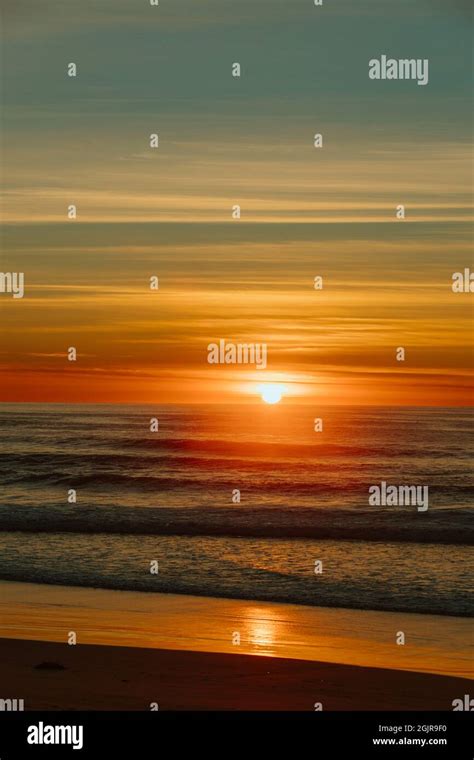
262, 632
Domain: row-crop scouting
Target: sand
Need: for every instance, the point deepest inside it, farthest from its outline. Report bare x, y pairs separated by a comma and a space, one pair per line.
433, 644
52, 676
134, 649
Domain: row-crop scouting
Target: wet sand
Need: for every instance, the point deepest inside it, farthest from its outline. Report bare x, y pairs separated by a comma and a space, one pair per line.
198, 653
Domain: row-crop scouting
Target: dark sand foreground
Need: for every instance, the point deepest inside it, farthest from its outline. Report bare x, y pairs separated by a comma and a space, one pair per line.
52, 676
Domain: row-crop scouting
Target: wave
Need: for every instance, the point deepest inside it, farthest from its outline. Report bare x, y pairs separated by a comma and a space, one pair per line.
189, 484
440, 526
446, 606
251, 449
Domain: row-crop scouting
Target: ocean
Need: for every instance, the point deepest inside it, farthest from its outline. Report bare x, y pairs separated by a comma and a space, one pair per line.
303, 531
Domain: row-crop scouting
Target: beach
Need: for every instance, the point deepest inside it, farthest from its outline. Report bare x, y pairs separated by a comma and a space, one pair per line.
87, 677
153, 587
134, 649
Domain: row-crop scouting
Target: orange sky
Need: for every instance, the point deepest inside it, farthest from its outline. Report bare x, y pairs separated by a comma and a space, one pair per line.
166, 212
383, 287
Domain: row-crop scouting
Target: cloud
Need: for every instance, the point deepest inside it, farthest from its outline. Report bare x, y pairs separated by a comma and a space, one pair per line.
47, 17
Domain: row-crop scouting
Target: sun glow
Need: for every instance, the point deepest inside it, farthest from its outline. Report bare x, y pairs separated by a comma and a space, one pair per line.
271, 393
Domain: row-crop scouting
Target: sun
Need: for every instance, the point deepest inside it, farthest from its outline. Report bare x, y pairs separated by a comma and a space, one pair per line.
271, 393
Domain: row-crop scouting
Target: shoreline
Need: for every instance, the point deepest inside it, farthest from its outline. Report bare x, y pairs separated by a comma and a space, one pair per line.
433, 644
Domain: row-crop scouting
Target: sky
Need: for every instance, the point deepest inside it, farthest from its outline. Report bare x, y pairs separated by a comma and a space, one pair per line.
166, 212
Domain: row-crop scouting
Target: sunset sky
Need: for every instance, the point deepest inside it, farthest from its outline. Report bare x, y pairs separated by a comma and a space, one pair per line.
226, 141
